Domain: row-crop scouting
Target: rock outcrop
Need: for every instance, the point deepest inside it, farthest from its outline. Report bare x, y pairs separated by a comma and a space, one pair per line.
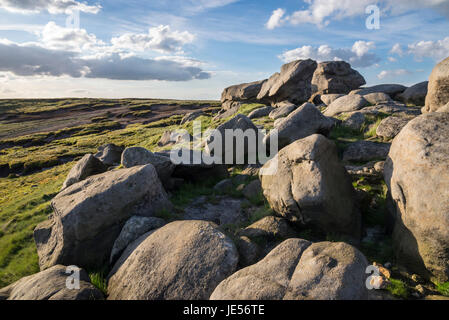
311, 187
110, 154
438, 94
346, 103
417, 175
87, 166
184, 260
51, 284
416, 94
88, 216
246, 92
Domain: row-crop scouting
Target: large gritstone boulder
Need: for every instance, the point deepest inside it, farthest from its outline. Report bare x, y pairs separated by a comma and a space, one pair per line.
300, 270
87, 166
336, 77
311, 187
89, 215
51, 284
185, 260
293, 83
246, 92
415, 94
417, 175
438, 95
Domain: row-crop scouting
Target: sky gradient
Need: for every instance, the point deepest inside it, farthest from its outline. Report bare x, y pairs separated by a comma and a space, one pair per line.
193, 49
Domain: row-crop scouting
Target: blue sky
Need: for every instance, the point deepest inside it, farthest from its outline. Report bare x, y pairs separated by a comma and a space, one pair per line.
192, 49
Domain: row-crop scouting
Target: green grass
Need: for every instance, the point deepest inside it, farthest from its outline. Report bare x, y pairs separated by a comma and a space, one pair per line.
99, 280
443, 288
398, 288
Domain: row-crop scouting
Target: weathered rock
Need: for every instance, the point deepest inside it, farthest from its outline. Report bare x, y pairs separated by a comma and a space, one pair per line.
252, 190
345, 104
299, 270
249, 252
222, 211
137, 156
444, 108
88, 216
242, 92
266, 280
184, 260
192, 116
131, 231
261, 112
225, 147
87, 166
228, 108
110, 154
271, 228
376, 98
51, 284
277, 122
391, 126
293, 83
415, 94
327, 99
224, 186
391, 89
282, 111
438, 94
336, 77
364, 151
417, 175
173, 137
311, 187
329, 271
303, 122
355, 121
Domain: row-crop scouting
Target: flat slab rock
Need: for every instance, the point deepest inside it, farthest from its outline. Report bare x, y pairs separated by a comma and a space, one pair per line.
222, 211
364, 151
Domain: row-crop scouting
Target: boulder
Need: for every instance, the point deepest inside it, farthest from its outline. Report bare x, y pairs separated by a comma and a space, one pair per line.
355, 121
364, 151
172, 137
329, 271
376, 98
131, 231
252, 190
223, 210
336, 77
184, 260
137, 156
438, 94
327, 99
261, 112
191, 116
391, 126
293, 83
416, 94
444, 108
282, 111
229, 147
299, 270
224, 186
266, 280
242, 92
345, 104
109, 154
391, 89
249, 251
417, 175
51, 284
89, 215
311, 187
87, 166
303, 122
271, 228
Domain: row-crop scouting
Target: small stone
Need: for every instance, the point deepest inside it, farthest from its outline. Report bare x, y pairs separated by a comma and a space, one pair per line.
416, 278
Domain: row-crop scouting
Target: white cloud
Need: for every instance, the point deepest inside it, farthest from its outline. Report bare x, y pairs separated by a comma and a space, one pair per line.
52, 6
438, 50
397, 49
358, 56
161, 39
322, 12
275, 19
392, 73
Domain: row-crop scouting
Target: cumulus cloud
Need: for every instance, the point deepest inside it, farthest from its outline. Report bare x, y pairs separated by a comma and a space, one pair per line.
161, 39
437, 50
32, 60
392, 73
322, 12
275, 19
52, 6
358, 56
